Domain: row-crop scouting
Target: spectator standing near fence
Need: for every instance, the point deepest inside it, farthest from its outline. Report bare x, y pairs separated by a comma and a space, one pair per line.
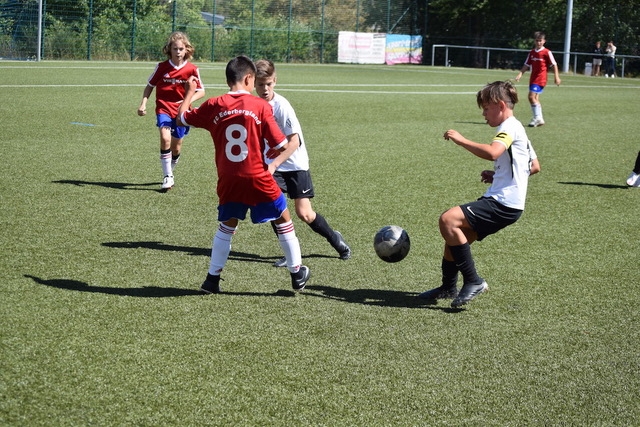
610, 55
539, 60
597, 59
168, 79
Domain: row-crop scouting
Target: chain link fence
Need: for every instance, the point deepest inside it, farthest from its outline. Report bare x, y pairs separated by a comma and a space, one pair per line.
282, 30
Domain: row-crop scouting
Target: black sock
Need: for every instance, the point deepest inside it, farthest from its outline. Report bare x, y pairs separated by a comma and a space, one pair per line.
636, 169
449, 273
464, 262
320, 226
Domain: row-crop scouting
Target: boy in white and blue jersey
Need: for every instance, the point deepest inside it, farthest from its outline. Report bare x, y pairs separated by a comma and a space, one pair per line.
293, 175
501, 205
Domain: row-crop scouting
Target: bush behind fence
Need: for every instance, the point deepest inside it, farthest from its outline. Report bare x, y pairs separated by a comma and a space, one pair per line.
282, 30
285, 31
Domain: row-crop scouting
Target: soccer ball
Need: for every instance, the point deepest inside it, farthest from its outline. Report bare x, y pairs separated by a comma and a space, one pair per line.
391, 243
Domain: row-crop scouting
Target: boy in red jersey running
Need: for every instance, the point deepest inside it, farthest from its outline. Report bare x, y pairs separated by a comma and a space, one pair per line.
538, 61
240, 125
169, 78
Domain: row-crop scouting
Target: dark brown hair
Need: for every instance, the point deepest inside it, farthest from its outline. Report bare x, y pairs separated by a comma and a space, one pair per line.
239, 67
497, 91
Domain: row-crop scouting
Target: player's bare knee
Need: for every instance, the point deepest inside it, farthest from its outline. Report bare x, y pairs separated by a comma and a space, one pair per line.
306, 216
443, 222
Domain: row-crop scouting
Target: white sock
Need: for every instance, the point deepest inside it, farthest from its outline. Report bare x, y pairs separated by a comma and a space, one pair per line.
220, 249
290, 245
537, 111
174, 162
165, 162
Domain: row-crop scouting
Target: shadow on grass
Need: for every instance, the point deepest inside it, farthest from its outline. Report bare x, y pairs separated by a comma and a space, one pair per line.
374, 297
147, 291
378, 298
143, 292
593, 184
115, 185
233, 255
283, 293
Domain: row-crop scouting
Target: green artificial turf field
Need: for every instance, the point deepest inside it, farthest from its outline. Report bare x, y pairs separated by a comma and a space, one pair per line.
101, 322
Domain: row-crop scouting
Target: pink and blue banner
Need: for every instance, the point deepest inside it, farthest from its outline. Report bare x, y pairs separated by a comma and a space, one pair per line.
379, 48
403, 49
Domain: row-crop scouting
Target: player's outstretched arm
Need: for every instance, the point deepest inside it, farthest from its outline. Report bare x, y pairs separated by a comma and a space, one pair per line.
484, 151
535, 167
142, 109
556, 75
521, 73
198, 94
190, 86
293, 142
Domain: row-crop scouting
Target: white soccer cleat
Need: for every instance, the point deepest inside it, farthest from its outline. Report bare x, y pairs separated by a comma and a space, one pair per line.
167, 183
535, 122
633, 180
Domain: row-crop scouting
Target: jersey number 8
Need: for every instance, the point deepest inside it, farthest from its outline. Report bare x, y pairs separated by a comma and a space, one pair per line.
239, 142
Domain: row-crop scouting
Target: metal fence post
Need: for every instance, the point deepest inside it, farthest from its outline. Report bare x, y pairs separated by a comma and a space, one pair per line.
213, 28
40, 44
90, 30
322, 34
253, 11
289, 31
173, 15
133, 30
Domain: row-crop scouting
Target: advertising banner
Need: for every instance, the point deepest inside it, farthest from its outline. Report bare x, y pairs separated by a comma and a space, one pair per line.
361, 48
403, 49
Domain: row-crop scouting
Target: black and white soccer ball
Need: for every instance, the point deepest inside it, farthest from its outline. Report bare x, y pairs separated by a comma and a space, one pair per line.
391, 243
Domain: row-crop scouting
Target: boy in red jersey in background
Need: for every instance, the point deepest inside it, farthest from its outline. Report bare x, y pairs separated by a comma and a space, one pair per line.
240, 125
539, 60
169, 78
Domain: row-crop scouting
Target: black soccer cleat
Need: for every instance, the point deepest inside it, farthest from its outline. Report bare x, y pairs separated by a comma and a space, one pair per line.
441, 292
469, 292
299, 279
344, 251
211, 285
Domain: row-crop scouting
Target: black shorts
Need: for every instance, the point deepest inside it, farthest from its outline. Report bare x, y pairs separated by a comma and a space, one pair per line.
486, 216
296, 184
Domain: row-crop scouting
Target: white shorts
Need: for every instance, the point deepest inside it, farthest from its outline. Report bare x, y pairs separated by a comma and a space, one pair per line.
597, 61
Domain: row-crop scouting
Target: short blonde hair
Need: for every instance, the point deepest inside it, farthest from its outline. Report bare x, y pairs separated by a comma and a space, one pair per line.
265, 69
174, 37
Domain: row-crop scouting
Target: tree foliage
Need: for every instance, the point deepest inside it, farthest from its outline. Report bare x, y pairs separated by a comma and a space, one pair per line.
511, 24
305, 25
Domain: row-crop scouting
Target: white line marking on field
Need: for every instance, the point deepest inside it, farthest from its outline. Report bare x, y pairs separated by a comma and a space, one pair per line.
281, 89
